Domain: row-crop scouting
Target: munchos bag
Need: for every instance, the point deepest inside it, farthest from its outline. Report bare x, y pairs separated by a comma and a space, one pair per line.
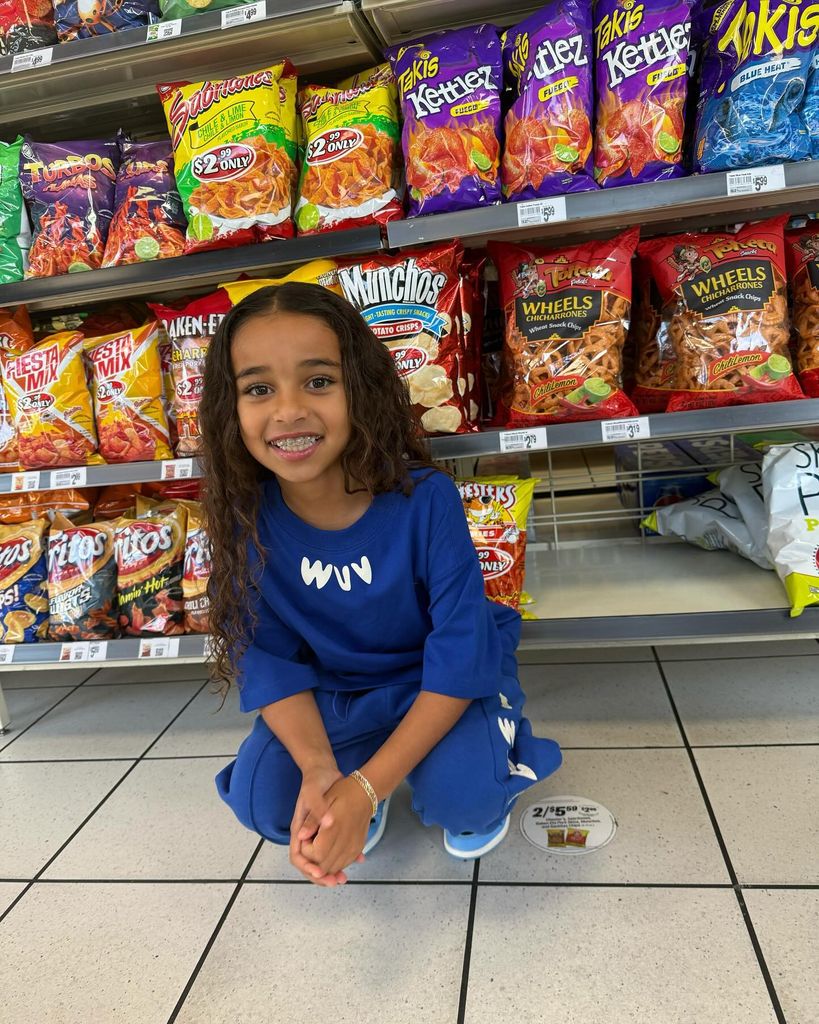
150, 560
197, 571
802, 247
548, 128
449, 85
729, 325
641, 73
23, 583
496, 513
82, 581
567, 315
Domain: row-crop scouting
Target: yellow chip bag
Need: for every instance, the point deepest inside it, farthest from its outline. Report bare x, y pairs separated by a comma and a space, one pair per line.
23, 583
234, 143
323, 272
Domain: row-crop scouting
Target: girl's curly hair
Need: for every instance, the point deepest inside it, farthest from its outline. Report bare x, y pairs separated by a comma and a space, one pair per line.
385, 442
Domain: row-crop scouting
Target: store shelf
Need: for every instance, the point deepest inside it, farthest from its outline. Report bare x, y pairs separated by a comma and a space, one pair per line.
99, 476
395, 20
658, 207
160, 277
767, 416
91, 83
117, 652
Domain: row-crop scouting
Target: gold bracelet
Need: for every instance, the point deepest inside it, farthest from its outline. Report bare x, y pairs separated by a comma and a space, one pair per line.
368, 789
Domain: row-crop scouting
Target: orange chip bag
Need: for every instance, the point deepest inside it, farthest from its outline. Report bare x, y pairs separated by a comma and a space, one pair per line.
197, 571
50, 404
128, 395
15, 337
117, 501
28, 505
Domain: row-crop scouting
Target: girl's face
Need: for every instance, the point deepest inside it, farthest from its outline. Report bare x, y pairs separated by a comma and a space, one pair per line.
290, 395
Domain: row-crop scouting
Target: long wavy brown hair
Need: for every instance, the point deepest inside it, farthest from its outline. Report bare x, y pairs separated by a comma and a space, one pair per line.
385, 443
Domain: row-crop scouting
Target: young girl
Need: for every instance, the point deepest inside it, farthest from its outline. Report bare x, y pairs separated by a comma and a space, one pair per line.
347, 598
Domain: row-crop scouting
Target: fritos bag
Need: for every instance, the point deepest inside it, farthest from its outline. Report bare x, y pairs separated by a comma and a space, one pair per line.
567, 315
323, 272
23, 583
496, 512
191, 331
150, 560
148, 222
234, 154
50, 404
15, 338
655, 362
411, 301
729, 325
128, 395
349, 174
449, 84
802, 247
548, 144
641, 62
77, 19
82, 581
197, 571
69, 188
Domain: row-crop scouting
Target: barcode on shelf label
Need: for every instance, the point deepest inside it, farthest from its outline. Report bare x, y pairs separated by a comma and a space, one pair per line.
208, 647
163, 30
84, 650
177, 469
62, 478
542, 211
523, 440
162, 647
755, 179
626, 430
32, 59
97, 650
244, 15
6, 654
21, 482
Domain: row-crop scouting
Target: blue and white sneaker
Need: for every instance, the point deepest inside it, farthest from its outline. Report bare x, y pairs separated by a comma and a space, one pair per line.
378, 823
471, 845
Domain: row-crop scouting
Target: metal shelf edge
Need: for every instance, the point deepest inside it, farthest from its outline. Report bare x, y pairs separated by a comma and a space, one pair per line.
119, 652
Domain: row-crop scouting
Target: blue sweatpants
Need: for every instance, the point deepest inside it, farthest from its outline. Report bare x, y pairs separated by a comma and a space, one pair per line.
468, 782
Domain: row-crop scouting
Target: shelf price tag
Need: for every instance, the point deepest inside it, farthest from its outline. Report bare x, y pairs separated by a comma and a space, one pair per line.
22, 482
161, 647
6, 654
84, 650
754, 180
523, 440
32, 59
244, 15
177, 469
207, 647
163, 30
542, 211
626, 430
63, 478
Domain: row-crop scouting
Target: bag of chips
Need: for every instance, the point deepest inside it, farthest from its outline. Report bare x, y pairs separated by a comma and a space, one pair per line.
23, 583
729, 325
15, 338
790, 482
129, 395
26, 25
567, 315
548, 144
411, 301
234, 153
755, 61
472, 314
150, 560
641, 73
69, 188
802, 248
15, 232
197, 571
323, 272
117, 501
148, 222
191, 331
168, 390
50, 404
172, 9
742, 484
655, 362
25, 506
496, 512
349, 176
82, 581
449, 84
79, 19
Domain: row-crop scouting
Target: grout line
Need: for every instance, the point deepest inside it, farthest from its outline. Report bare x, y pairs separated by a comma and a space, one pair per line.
763, 967
209, 945
470, 925
667, 661
31, 725
104, 760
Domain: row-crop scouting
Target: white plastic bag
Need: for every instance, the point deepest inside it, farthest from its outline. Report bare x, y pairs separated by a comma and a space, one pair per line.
742, 484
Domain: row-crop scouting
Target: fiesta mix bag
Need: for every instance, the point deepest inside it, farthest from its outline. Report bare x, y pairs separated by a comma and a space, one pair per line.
69, 188
15, 338
449, 86
411, 301
496, 511
23, 583
197, 571
729, 326
802, 247
548, 144
567, 315
234, 152
82, 581
641, 73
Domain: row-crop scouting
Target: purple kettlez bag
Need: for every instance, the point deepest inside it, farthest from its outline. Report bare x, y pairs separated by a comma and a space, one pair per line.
449, 84
641, 72
548, 57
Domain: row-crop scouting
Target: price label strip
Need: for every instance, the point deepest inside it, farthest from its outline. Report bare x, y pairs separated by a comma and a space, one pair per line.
244, 15
33, 59
6, 654
626, 430
84, 650
177, 469
161, 647
542, 211
754, 180
530, 440
23, 482
163, 30
62, 478
569, 826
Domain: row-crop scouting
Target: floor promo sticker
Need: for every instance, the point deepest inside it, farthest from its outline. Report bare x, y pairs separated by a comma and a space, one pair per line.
568, 825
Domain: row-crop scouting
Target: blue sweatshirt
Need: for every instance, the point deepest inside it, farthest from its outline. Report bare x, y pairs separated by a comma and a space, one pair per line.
396, 598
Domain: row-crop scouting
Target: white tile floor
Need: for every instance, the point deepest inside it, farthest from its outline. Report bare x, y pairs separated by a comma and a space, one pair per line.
128, 893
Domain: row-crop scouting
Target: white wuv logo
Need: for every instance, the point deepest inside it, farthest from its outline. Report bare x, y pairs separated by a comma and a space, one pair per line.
318, 573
